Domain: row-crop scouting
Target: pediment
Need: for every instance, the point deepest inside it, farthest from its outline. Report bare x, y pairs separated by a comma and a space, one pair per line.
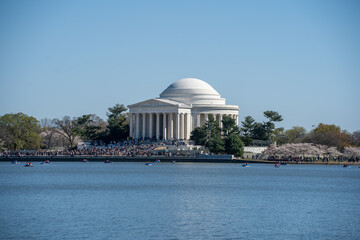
155, 103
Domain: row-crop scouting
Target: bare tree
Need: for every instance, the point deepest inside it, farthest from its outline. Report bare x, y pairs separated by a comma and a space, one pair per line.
51, 137
65, 127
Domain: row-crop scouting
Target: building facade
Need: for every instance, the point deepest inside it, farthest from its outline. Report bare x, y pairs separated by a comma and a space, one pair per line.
183, 106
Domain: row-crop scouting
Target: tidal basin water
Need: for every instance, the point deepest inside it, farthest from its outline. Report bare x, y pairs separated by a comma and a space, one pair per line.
178, 201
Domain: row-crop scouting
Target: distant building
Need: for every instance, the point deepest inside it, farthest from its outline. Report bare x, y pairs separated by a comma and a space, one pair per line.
183, 106
255, 149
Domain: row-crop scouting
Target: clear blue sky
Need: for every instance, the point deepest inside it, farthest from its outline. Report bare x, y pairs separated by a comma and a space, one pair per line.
300, 58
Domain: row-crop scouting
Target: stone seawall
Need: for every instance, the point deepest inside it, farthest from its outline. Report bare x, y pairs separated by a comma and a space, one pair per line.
114, 159
153, 159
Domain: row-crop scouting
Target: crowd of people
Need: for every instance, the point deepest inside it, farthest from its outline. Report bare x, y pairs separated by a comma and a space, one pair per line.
129, 149
300, 159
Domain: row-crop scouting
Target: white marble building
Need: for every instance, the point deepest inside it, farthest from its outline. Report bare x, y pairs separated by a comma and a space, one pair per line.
183, 106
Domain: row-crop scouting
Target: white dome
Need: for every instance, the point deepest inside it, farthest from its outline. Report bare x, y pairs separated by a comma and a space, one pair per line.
192, 91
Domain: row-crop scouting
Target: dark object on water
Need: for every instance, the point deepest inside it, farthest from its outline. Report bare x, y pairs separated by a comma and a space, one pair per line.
46, 162
85, 160
28, 164
108, 161
15, 162
148, 163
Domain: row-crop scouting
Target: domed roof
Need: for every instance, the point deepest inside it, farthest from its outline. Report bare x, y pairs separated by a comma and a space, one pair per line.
192, 90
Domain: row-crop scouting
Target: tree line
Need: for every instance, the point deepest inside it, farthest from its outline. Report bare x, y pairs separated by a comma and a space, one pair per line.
20, 131
231, 139
324, 134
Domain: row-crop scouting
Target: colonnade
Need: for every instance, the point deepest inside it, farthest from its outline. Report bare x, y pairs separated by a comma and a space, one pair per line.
204, 117
171, 125
160, 125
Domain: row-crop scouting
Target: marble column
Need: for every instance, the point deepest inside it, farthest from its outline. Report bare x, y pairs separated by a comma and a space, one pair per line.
198, 120
164, 126
206, 117
182, 125
171, 126
144, 125
220, 120
137, 125
150, 125
177, 126
187, 126
157, 126
131, 124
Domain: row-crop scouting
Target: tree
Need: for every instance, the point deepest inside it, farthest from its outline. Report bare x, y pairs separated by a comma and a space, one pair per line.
118, 124
210, 135
295, 134
329, 135
66, 127
259, 131
51, 137
356, 138
215, 142
279, 136
272, 117
247, 129
89, 126
234, 145
232, 140
199, 136
229, 126
20, 131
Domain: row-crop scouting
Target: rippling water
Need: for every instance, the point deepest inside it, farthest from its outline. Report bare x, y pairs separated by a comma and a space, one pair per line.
178, 201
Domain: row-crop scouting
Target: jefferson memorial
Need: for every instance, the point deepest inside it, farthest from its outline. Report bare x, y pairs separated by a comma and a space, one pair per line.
183, 106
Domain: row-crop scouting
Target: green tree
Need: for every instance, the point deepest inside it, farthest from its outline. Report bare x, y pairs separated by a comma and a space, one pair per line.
210, 136
20, 131
295, 134
118, 123
279, 136
232, 141
89, 126
330, 135
215, 142
272, 117
229, 126
199, 135
259, 131
247, 127
234, 145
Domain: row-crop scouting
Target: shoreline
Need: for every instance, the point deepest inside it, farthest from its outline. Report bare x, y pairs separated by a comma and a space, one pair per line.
154, 158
